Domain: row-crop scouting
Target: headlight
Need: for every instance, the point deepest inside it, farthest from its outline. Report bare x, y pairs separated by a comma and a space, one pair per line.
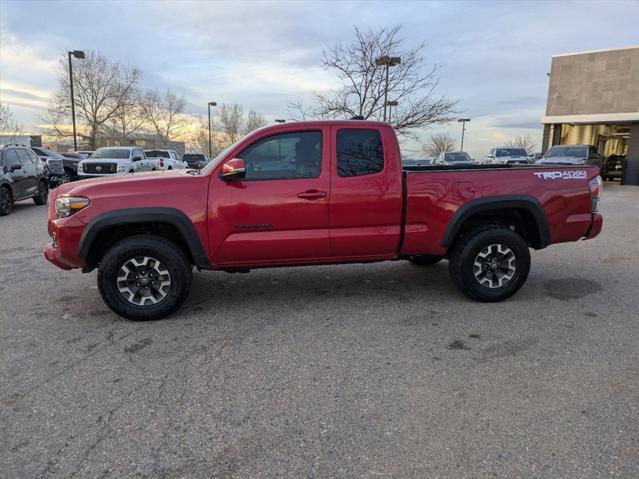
67, 205
122, 169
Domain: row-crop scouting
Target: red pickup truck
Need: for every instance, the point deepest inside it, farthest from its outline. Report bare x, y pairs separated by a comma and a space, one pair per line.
315, 192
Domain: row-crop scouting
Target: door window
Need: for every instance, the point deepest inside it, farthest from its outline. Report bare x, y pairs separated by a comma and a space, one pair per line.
25, 159
11, 158
284, 156
359, 152
33, 156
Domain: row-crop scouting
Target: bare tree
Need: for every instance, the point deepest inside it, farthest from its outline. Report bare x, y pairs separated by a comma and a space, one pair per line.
7, 124
199, 140
362, 93
254, 120
164, 114
438, 144
229, 127
128, 120
231, 121
101, 89
523, 141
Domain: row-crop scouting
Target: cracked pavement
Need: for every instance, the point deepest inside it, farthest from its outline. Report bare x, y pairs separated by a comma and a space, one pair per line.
379, 370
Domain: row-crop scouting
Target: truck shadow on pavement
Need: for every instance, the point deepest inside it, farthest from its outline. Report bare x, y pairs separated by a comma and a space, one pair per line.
305, 286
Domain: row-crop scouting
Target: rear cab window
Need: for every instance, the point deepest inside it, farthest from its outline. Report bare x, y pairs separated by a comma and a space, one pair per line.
360, 152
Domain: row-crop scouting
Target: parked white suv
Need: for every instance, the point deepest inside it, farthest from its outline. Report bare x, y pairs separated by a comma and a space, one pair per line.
165, 159
116, 160
503, 155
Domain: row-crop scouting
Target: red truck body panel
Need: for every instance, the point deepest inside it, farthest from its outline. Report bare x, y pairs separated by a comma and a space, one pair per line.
435, 196
325, 219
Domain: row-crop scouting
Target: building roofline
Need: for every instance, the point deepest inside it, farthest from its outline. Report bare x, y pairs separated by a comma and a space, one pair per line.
631, 117
595, 51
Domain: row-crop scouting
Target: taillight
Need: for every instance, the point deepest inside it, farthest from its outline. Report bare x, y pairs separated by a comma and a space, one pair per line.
161, 163
596, 185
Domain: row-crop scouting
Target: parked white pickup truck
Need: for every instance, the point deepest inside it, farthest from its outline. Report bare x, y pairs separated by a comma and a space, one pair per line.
118, 160
165, 159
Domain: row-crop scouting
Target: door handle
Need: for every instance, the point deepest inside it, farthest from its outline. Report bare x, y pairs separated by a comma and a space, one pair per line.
311, 195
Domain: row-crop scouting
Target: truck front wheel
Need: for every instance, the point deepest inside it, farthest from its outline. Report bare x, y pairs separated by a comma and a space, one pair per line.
144, 278
490, 264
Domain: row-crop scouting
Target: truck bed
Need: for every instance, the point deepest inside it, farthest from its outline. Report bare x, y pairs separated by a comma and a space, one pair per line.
434, 195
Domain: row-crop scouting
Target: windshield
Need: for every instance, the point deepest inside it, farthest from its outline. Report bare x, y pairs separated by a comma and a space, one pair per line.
511, 152
157, 154
112, 153
193, 157
215, 161
571, 151
456, 157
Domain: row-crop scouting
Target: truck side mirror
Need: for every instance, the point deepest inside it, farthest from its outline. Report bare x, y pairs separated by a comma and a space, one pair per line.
233, 170
137, 158
16, 167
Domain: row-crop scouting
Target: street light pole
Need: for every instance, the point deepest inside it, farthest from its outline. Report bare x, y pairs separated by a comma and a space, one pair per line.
76, 54
463, 122
390, 104
388, 62
210, 104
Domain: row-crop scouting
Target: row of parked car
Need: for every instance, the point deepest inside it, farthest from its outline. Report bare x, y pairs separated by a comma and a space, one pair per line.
29, 172
557, 155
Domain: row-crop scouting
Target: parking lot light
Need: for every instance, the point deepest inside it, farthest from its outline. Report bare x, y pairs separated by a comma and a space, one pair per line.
210, 104
80, 55
387, 61
463, 122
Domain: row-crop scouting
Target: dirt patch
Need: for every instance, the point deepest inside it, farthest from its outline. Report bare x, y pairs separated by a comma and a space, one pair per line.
137, 347
568, 289
508, 348
457, 345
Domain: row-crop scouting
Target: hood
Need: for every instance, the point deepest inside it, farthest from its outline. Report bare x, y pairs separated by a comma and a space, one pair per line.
106, 160
102, 183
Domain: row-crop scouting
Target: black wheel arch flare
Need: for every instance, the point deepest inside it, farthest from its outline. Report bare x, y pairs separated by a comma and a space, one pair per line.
132, 216
494, 204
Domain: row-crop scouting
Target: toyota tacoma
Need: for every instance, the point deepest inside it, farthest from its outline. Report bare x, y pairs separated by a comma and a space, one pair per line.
316, 192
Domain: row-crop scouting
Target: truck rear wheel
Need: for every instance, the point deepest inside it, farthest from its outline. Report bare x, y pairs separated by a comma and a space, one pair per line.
144, 278
490, 264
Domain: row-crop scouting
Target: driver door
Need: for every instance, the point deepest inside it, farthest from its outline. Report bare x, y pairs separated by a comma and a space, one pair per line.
277, 213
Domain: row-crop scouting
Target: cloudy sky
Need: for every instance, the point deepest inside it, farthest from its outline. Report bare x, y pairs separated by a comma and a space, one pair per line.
494, 55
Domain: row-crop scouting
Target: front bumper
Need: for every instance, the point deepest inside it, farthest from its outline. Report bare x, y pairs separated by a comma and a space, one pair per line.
65, 234
53, 255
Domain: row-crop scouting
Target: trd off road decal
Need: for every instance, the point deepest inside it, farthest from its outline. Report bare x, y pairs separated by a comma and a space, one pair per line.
561, 175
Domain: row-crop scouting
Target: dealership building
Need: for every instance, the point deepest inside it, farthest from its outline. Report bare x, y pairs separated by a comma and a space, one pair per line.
593, 99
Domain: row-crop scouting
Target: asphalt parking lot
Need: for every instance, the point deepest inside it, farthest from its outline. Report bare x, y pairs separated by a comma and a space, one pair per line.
380, 370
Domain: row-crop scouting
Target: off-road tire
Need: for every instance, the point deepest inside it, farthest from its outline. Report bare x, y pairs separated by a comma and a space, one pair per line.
167, 253
425, 260
42, 194
462, 260
6, 201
